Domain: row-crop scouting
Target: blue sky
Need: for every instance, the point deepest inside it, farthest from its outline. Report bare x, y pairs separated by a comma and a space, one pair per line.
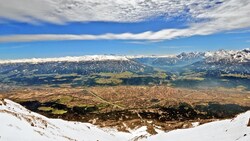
149, 28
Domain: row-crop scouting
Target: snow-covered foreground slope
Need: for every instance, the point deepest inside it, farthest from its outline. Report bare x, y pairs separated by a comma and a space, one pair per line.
226, 130
18, 123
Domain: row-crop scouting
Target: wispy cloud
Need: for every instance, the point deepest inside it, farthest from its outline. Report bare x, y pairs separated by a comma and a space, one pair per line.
226, 16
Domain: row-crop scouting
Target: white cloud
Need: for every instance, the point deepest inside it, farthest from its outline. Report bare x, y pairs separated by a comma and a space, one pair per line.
230, 15
61, 11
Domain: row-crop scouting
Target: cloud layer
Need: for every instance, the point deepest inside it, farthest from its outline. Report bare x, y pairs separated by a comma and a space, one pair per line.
208, 16
61, 11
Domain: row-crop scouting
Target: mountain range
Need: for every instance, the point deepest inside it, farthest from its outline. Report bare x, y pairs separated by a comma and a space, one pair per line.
181, 60
222, 60
226, 63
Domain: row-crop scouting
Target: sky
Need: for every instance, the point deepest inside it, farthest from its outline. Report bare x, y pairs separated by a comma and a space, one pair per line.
56, 28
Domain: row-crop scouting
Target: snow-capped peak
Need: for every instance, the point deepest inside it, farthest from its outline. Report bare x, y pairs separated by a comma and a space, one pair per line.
150, 56
178, 56
190, 55
216, 56
230, 56
68, 59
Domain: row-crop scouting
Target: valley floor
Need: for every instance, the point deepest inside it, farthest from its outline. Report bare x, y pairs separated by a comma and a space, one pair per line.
130, 107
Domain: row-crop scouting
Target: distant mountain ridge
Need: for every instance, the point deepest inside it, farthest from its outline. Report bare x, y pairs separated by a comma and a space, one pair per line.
140, 69
226, 61
231, 56
68, 59
227, 56
182, 59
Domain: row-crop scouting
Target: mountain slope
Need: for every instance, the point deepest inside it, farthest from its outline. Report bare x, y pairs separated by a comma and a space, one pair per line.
17, 123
